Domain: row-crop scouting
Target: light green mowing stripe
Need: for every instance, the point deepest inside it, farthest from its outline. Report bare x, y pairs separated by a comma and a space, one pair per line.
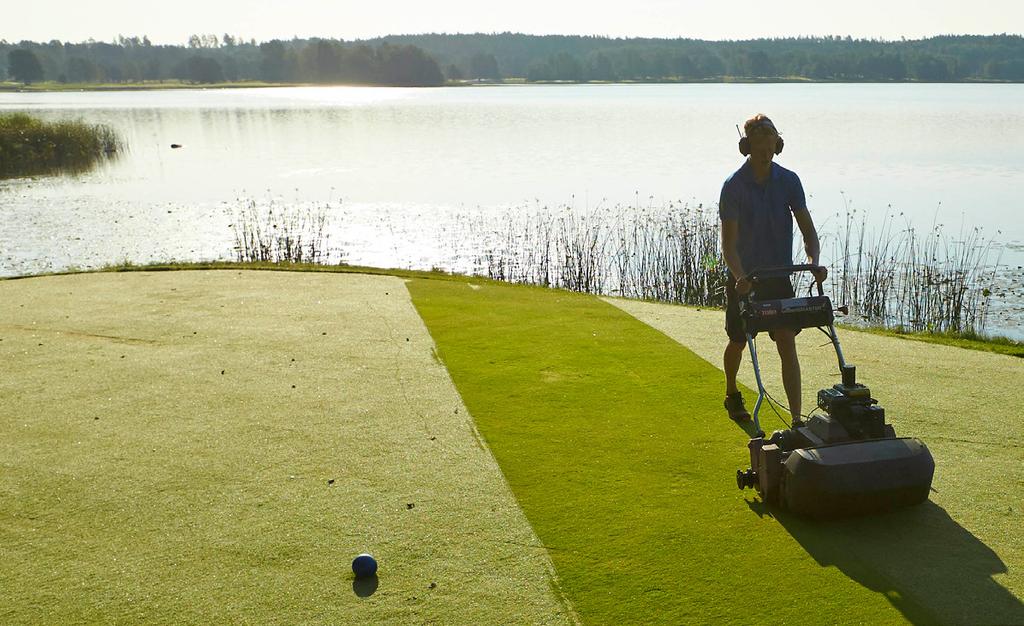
962, 555
612, 438
215, 447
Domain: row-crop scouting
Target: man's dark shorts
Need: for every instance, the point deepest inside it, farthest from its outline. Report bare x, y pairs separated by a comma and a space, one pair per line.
767, 289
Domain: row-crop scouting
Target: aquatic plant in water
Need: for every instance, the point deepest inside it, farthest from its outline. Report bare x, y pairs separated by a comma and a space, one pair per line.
281, 233
897, 278
30, 146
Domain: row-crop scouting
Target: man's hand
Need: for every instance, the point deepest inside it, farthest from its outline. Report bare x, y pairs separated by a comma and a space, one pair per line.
743, 286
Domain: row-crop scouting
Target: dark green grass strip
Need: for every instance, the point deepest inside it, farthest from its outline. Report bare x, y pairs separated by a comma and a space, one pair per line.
612, 438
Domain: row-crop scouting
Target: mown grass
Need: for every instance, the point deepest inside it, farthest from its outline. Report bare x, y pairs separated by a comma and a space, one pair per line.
612, 439
611, 435
215, 447
960, 557
31, 146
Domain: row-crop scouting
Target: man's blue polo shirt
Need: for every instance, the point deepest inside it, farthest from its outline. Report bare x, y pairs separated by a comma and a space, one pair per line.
764, 213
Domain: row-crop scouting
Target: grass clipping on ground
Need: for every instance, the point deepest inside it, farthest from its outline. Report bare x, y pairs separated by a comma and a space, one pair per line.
217, 446
612, 437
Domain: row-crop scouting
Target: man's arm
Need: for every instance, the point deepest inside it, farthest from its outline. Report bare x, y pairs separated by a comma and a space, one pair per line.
731, 254
811, 245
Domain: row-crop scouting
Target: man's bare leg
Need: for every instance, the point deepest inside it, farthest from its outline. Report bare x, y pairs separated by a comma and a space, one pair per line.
785, 342
731, 362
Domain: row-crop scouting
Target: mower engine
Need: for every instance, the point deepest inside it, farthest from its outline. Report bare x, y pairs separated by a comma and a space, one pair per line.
852, 412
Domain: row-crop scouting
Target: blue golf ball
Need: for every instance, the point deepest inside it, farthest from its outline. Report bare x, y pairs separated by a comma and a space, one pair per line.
364, 565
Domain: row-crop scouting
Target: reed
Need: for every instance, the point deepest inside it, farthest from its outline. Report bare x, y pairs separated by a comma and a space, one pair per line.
891, 277
272, 232
666, 254
894, 278
906, 279
670, 255
30, 146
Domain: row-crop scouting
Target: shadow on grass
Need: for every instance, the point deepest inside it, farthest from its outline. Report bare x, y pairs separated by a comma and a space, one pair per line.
747, 426
365, 587
930, 568
770, 422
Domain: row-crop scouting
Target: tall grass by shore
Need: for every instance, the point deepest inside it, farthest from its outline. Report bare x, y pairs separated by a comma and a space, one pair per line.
905, 278
900, 279
895, 278
281, 233
669, 254
30, 146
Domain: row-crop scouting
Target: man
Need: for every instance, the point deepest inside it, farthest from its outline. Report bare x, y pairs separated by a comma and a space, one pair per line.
757, 207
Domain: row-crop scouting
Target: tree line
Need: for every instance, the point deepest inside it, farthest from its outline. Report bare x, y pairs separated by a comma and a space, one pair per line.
213, 59
431, 59
579, 58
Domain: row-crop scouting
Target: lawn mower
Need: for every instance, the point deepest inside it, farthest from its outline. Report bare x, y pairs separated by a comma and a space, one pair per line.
844, 461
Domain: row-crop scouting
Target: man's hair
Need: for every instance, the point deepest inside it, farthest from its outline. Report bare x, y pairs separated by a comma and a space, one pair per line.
757, 121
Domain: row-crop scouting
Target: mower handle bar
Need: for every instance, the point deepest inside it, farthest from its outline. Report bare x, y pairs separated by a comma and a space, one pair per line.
784, 270
781, 270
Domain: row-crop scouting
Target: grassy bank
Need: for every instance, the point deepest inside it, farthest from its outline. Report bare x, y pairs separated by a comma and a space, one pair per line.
510, 81
154, 85
31, 146
137, 86
967, 341
896, 277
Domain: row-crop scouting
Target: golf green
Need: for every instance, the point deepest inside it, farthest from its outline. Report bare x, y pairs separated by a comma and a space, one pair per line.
612, 438
214, 446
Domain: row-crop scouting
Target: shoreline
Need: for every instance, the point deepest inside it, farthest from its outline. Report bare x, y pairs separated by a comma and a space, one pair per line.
49, 86
997, 343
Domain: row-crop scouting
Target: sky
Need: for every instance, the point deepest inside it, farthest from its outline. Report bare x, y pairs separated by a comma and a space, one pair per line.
171, 22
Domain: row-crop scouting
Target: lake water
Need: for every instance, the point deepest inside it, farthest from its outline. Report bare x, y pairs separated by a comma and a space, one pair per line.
402, 170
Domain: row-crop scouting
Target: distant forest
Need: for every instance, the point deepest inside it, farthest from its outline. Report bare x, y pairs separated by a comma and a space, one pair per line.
426, 60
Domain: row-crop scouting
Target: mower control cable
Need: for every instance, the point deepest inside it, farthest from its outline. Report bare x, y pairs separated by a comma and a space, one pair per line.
772, 402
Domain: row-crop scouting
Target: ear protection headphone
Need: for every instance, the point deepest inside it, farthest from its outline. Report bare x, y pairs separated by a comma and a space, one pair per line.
744, 144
